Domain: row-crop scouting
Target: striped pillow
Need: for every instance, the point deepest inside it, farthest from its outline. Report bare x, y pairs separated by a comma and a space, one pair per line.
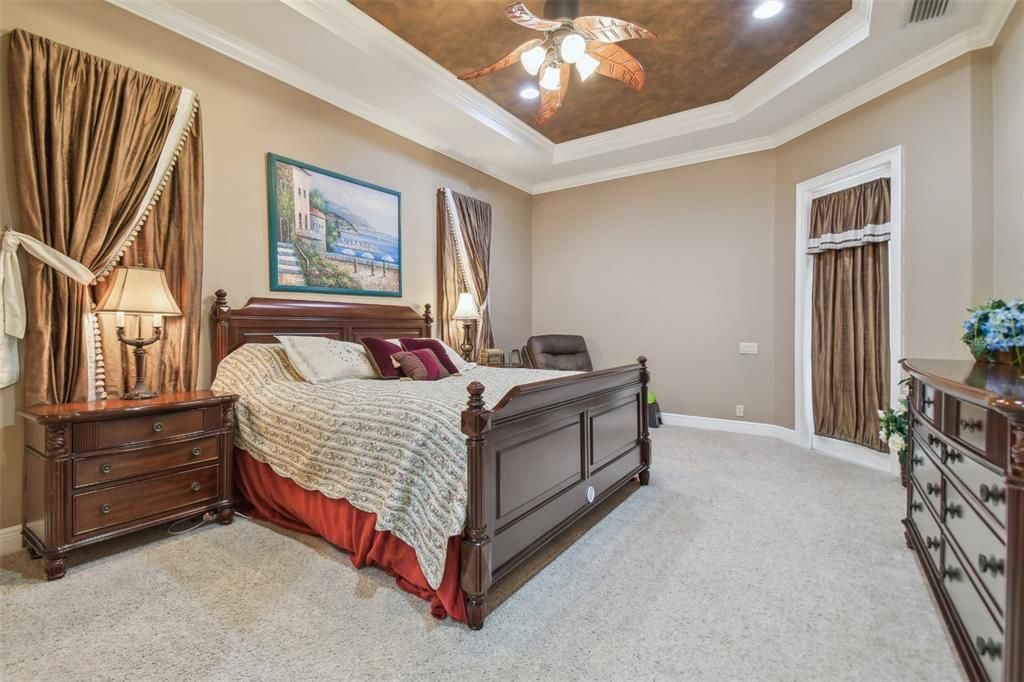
420, 365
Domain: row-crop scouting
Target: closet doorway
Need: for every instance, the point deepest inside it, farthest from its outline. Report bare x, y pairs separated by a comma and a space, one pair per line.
887, 164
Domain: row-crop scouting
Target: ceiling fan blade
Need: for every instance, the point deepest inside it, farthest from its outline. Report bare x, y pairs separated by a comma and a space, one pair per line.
518, 14
616, 63
610, 29
551, 100
503, 63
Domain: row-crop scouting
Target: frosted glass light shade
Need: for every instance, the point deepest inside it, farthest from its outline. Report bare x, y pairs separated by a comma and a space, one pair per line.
573, 47
552, 78
532, 59
138, 291
466, 308
586, 65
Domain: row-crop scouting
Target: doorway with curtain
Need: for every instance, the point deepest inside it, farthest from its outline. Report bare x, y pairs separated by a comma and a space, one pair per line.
848, 312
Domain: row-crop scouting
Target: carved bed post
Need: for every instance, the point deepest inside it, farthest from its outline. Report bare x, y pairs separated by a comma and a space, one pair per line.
645, 432
221, 315
476, 545
427, 319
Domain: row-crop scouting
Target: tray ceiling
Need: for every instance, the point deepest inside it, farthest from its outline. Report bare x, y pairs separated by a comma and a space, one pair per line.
705, 52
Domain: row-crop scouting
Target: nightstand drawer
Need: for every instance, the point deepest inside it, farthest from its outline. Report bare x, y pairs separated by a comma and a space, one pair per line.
90, 470
130, 501
120, 432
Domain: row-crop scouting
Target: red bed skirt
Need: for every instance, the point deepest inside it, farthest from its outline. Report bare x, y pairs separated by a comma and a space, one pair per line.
279, 500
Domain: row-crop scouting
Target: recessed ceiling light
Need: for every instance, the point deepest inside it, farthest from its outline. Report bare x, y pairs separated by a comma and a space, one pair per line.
768, 9
529, 93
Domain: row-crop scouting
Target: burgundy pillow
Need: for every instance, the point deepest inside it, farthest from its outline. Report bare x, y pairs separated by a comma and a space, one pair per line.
380, 351
420, 365
434, 345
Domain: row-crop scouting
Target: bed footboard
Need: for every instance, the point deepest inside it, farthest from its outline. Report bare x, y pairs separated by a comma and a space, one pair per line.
541, 458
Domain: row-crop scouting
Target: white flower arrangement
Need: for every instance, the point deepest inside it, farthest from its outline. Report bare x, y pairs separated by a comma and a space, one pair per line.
893, 423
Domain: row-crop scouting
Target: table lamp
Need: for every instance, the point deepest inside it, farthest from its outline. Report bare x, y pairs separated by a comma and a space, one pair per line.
138, 291
466, 311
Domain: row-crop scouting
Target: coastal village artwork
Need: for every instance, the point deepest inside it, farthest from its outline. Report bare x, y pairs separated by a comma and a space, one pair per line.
330, 233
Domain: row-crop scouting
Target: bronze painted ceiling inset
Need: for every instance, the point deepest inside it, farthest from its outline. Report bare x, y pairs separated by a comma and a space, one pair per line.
706, 52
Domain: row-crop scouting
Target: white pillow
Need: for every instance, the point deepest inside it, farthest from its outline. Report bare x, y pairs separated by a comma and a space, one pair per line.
457, 360
318, 359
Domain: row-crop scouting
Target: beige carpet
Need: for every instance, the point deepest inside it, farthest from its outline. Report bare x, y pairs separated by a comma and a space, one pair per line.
746, 559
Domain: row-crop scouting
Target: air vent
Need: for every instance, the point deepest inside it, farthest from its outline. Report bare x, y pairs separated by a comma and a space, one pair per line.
923, 10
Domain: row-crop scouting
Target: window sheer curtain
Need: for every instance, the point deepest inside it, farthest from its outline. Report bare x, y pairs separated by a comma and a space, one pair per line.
848, 241
464, 263
101, 152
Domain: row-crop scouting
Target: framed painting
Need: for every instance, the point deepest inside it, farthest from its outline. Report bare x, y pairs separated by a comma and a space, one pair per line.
332, 234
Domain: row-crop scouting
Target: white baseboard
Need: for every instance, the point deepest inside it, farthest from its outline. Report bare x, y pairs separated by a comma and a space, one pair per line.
841, 450
10, 540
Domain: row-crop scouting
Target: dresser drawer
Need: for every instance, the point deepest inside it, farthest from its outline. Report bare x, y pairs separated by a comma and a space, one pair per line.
984, 551
984, 635
130, 501
984, 484
91, 470
928, 402
927, 528
100, 435
926, 472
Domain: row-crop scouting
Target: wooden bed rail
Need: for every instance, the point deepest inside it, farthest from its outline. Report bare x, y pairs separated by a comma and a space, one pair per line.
593, 425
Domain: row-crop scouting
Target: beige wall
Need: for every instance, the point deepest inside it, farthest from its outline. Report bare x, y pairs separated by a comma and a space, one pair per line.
245, 115
1008, 157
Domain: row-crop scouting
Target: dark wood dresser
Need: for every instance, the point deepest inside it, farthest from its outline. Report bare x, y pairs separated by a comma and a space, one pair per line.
965, 506
97, 470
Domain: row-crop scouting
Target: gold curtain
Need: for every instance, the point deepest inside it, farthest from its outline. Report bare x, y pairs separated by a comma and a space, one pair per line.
472, 218
87, 140
850, 313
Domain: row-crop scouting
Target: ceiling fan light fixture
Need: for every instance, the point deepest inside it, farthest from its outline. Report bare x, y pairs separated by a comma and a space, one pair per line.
586, 65
552, 78
572, 48
529, 92
532, 59
768, 9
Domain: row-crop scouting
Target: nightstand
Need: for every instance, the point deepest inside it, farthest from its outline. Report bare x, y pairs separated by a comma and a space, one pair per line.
99, 470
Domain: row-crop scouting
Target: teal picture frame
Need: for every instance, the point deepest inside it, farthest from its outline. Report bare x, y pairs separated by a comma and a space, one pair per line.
330, 233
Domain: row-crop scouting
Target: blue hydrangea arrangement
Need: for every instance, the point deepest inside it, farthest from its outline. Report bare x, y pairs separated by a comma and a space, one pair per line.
995, 331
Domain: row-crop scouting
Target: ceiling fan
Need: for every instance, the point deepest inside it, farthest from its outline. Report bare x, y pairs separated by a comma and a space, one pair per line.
588, 43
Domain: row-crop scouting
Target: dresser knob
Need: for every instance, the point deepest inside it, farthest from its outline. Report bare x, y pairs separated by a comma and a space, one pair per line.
933, 440
988, 647
106, 468
195, 486
917, 506
917, 461
971, 425
928, 402
105, 509
933, 488
991, 563
995, 494
954, 510
932, 543
196, 451
158, 427
951, 573
953, 456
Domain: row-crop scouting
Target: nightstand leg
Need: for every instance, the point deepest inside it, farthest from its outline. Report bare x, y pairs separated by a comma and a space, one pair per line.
54, 566
225, 516
32, 553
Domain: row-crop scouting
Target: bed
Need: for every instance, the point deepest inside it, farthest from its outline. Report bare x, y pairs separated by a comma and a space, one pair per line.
536, 456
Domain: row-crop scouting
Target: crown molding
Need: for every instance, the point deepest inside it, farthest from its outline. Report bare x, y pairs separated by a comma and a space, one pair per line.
184, 24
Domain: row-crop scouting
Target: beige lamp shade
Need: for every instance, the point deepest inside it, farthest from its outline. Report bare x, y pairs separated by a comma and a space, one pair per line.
138, 290
466, 308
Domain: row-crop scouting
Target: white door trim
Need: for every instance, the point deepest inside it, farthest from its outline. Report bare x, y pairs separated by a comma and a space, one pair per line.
886, 163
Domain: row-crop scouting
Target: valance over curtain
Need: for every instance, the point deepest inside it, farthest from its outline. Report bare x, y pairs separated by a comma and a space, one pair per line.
98, 153
848, 240
464, 263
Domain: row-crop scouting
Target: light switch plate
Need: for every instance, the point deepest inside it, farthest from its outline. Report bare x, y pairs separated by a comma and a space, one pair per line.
748, 348
739, 410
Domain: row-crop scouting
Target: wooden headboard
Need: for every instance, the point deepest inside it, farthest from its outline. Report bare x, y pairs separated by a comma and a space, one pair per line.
261, 319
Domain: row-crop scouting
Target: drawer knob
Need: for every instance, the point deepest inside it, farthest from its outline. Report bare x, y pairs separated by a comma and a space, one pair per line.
195, 486
917, 506
105, 509
953, 456
106, 468
933, 488
951, 573
971, 425
993, 494
158, 427
932, 543
933, 440
989, 647
196, 451
928, 402
954, 510
917, 461
991, 563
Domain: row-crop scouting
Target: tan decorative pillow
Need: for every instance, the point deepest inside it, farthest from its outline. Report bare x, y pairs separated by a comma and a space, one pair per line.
420, 365
318, 359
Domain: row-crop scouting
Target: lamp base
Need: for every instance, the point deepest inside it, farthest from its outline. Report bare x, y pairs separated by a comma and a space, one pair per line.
140, 392
137, 394
467, 342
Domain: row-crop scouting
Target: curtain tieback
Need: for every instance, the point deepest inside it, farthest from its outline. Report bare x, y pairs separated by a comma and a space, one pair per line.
12, 301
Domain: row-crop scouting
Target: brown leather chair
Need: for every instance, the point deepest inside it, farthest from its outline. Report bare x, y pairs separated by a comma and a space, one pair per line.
557, 351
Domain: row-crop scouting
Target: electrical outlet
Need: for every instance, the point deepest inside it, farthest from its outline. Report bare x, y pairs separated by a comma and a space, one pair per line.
739, 410
748, 348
